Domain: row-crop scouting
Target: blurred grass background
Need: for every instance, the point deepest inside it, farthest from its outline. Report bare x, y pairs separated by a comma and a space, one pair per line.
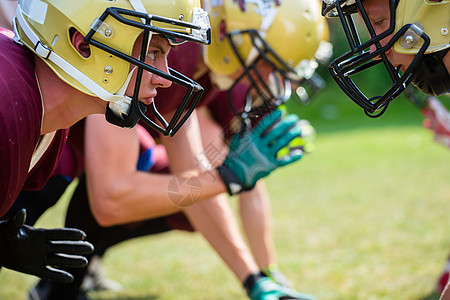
365, 216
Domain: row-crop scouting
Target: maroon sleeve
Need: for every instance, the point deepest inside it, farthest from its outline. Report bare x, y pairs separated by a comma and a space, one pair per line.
20, 124
20, 118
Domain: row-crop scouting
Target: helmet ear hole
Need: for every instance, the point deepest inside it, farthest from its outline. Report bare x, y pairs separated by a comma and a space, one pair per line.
78, 43
222, 30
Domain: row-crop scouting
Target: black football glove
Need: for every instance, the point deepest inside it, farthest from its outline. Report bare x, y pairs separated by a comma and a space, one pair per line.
41, 252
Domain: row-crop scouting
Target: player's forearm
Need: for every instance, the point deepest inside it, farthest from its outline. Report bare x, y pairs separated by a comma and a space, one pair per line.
142, 195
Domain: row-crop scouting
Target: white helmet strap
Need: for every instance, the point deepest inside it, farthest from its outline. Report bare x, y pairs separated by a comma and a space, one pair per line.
266, 22
45, 53
139, 7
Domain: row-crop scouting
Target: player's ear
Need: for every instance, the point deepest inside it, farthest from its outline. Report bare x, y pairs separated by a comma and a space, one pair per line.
78, 42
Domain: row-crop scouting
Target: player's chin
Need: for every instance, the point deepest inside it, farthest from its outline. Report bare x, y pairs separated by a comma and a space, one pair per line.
147, 101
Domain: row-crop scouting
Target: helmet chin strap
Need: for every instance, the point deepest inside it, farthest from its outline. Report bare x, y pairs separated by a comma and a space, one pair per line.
266, 22
121, 107
124, 113
281, 89
221, 82
127, 121
139, 7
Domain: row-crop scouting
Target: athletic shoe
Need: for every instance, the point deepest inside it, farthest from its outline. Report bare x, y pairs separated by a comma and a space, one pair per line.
42, 290
96, 280
274, 273
266, 289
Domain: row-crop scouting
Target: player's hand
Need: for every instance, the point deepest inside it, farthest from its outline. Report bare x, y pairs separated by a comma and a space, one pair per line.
41, 252
266, 289
304, 143
253, 153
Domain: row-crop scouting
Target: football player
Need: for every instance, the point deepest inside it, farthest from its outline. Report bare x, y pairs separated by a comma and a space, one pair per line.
160, 212
246, 60
63, 62
411, 40
169, 128
267, 73
402, 38
246, 71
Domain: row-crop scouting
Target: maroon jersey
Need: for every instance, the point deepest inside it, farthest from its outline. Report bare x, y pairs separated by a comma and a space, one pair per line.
152, 157
20, 124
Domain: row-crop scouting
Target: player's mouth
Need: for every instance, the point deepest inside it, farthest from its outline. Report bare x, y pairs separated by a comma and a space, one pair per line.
148, 100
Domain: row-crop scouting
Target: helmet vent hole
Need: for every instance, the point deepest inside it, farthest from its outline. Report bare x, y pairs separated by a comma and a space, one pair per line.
55, 39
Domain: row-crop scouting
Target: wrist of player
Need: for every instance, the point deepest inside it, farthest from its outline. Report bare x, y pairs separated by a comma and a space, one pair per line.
233, 184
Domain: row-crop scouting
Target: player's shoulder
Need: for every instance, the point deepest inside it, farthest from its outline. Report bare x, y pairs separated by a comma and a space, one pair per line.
7, 44
19, 93
13, 54
6, 33
17, 75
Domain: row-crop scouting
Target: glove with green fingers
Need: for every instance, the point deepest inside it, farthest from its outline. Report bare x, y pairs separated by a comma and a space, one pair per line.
253, 153
267, 289
303, 143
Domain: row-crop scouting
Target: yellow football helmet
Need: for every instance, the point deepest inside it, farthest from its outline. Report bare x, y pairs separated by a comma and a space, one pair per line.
286, 34
418, 27
111, 28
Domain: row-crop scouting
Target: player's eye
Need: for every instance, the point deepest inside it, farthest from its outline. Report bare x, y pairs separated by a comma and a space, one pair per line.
151, 55
381, 23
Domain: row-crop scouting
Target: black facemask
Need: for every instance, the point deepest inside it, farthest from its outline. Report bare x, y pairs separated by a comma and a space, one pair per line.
138, 109
431, 75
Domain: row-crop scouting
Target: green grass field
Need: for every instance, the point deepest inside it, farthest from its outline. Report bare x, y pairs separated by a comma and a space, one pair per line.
363, 217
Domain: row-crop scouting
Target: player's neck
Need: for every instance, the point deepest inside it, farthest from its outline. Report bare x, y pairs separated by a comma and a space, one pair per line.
63, 104
446, 61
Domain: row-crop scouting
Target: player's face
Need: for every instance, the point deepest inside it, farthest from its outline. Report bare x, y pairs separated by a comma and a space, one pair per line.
262, 77
378, 12
264, 69
156, 57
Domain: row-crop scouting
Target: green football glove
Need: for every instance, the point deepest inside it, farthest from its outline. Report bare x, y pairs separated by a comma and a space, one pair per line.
253, 153
304, 143
267, 289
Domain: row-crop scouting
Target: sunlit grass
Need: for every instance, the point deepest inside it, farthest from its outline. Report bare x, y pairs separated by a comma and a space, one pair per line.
365, 216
